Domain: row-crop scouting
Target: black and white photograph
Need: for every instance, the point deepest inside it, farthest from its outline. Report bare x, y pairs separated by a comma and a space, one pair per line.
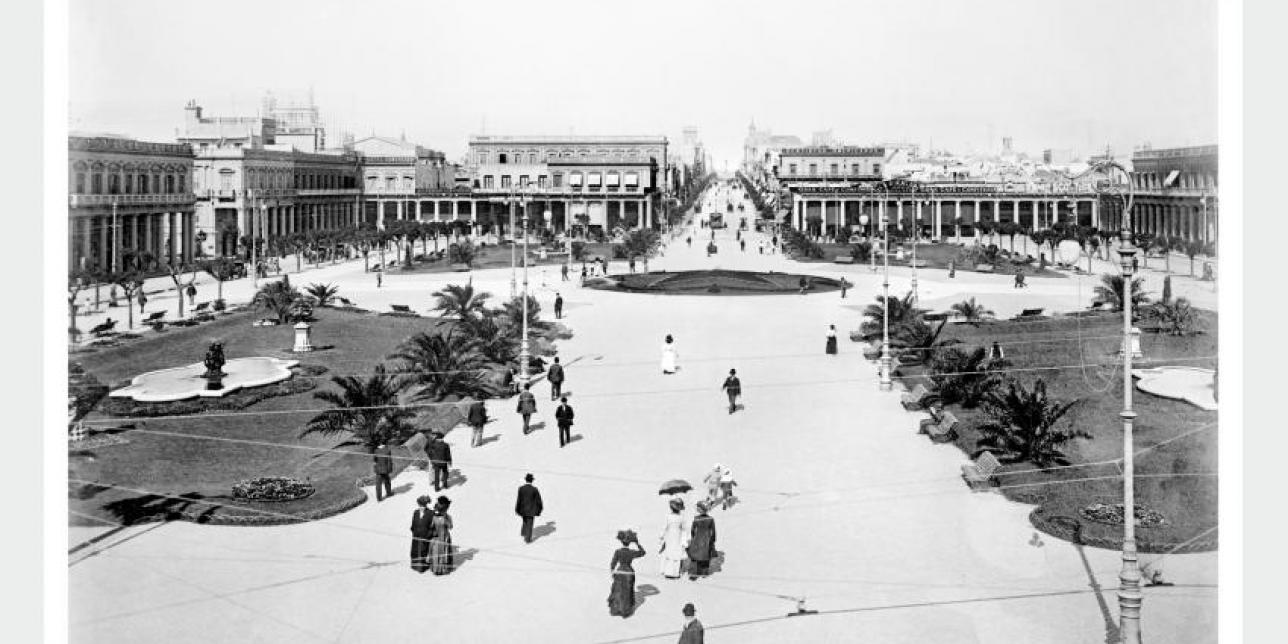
578, 321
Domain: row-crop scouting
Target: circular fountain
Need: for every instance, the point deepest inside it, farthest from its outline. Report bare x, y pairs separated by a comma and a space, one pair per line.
195, 380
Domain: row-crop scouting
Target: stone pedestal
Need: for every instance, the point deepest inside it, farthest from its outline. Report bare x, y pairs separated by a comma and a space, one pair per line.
1135, 344
303, 338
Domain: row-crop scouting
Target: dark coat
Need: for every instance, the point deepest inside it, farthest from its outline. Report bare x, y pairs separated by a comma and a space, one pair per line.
702, 543
555, 374
384, 460
559, 298
527, 403
528, 504
477, 415
422, 523
439, 451
692, 633
563, 415
733, 385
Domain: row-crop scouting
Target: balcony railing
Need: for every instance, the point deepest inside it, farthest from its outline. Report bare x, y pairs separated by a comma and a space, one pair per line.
323, 192
83, 200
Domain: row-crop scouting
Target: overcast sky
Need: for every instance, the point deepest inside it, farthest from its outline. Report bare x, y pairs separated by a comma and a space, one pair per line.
1063, 74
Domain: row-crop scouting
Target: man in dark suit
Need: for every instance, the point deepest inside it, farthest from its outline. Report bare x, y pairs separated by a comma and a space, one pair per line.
440, 458
693, 631
527, 406
563, 417
477, 418
383, 467
556, 377
559, 298
528, 506
733, 387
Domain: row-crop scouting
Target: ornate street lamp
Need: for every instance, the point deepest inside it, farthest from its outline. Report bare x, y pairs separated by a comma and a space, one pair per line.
886, 362
872, 256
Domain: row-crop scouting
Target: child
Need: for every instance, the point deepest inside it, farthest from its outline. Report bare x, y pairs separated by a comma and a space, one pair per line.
713, 484
726, 488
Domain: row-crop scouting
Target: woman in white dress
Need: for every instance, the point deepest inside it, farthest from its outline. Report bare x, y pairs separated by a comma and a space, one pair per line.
669, 356
674, 541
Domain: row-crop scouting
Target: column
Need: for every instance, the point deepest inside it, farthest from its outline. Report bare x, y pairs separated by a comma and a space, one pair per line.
957, 219
898, 217
1095, 213
87, 224
800, 214
881, 220
648, 213
939, 219
104, 252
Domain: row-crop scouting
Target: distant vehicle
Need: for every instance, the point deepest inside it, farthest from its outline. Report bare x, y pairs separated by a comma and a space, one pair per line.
716, 220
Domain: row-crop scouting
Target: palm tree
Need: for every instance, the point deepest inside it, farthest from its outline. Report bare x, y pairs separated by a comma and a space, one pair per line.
1110, 291
369, 411
461, 302
1177, 317
902, 311
442, 366
963, 378
279, 298
919, 342
1023, 423
1143, 241
970, 310
1165, 245
1192, 249
322, 294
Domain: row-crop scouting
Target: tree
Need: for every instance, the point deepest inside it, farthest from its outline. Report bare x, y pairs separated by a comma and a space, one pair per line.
1110, 291
222, 269
176, 272
281, 299
986, 227
902, 312
861, 252
964, 378
461, 301
443, 366
77, 281
919, 342
322, 294
642, 242
369, 411
1177, 317
1022, 423
461, 252
130, 279
1193, 248
971, 311
1144, 241
1010, 229
1165, 245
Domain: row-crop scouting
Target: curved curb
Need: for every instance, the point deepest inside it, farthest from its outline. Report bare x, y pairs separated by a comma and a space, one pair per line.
1071, 529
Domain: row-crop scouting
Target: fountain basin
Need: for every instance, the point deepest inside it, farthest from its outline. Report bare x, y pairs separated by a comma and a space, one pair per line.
182, 383
1191, 384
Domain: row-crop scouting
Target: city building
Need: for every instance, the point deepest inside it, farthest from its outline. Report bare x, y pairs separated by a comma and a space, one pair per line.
597, 182
761, 147
127, 196
1175, 193
1052, 156
296, 121
818, 166
205, 132
396, 173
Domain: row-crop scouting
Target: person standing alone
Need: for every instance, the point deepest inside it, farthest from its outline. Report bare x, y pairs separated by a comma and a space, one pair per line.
383, 468
563, 418
558, 306
440, 458
477, 418
528, 507
693, 631
556, 377
527, 406
733, 387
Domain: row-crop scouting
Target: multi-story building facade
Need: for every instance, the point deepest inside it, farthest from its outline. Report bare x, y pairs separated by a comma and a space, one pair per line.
1175, 192
297, 122
126, 197
600, 182
206, 132
396, 174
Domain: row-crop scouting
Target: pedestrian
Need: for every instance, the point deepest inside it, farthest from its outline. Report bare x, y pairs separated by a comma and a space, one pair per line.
742, 245
952, 269
774, 242
831, 340
669, 356
761, 246
674, 540
380, 277
621, 596
556, 378
692, 632
712, 481
732, 387
563, 272
143, 300
440, 543
563, 418
528, 506
477, 418
995, 353
1019, 278
583, 275
383, 466
689, 240
702, 543
422, 529
558, 306
726, 488
801, 282
440, 458
845, 286
527, 406
631, 263
192, 294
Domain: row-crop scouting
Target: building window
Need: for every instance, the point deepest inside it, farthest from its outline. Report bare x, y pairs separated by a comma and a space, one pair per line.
834, 169
115, 185
541, 182
372, 183
523, 181
854, 169
614, 179
169, 184
391, 184
574, 180
501, 158
791, 168
532, 158
129, 184
632, 179
96, 184
876, 168
156, 184
594, 179
225, 179
80, 183
183, 184
487, 181
558, 180
505, 181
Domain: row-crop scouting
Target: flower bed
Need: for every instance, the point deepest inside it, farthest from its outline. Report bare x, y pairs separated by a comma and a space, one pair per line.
1112, 514
272, 489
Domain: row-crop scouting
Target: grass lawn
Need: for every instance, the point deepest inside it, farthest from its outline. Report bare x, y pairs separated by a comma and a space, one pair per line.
1189, 502
206, 469
497, 257
937, 256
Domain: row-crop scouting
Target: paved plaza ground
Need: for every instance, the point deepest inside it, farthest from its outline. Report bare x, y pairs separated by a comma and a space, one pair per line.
842, 502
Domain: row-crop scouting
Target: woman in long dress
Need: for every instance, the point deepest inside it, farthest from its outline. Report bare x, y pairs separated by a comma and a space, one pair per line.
669, 356
422, 528
674, 540
621, 597
440, 544
702, 543
831, 340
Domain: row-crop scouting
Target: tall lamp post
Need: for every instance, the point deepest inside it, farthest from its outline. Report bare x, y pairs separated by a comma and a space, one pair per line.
116, 240
1129, 595
886, 362
524, 355
872, 256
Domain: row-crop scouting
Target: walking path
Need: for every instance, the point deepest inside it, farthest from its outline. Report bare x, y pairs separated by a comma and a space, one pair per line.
842, 503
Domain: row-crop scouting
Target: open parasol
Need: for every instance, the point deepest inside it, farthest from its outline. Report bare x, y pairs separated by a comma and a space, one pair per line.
675, 486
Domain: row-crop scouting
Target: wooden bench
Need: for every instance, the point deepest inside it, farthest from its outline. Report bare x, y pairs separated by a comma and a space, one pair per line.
941, 426
912, 400
979, 474
984, 268
921, 263
202, 307
103, 328
400, 308
154, 318
1028, 314
843, 259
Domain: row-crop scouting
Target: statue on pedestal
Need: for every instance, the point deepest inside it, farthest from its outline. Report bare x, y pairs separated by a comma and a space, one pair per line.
214, 366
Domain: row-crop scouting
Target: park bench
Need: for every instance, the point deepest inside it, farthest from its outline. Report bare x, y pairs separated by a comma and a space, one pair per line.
912, 400
1029, 314
843, 259
103, 328
155, 317
921, 263
400, 308
980, 473
1097, 305
345, 301
941, 426
984, 268
201, 308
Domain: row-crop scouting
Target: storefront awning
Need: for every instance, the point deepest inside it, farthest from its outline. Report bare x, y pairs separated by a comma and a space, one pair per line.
1171, 178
